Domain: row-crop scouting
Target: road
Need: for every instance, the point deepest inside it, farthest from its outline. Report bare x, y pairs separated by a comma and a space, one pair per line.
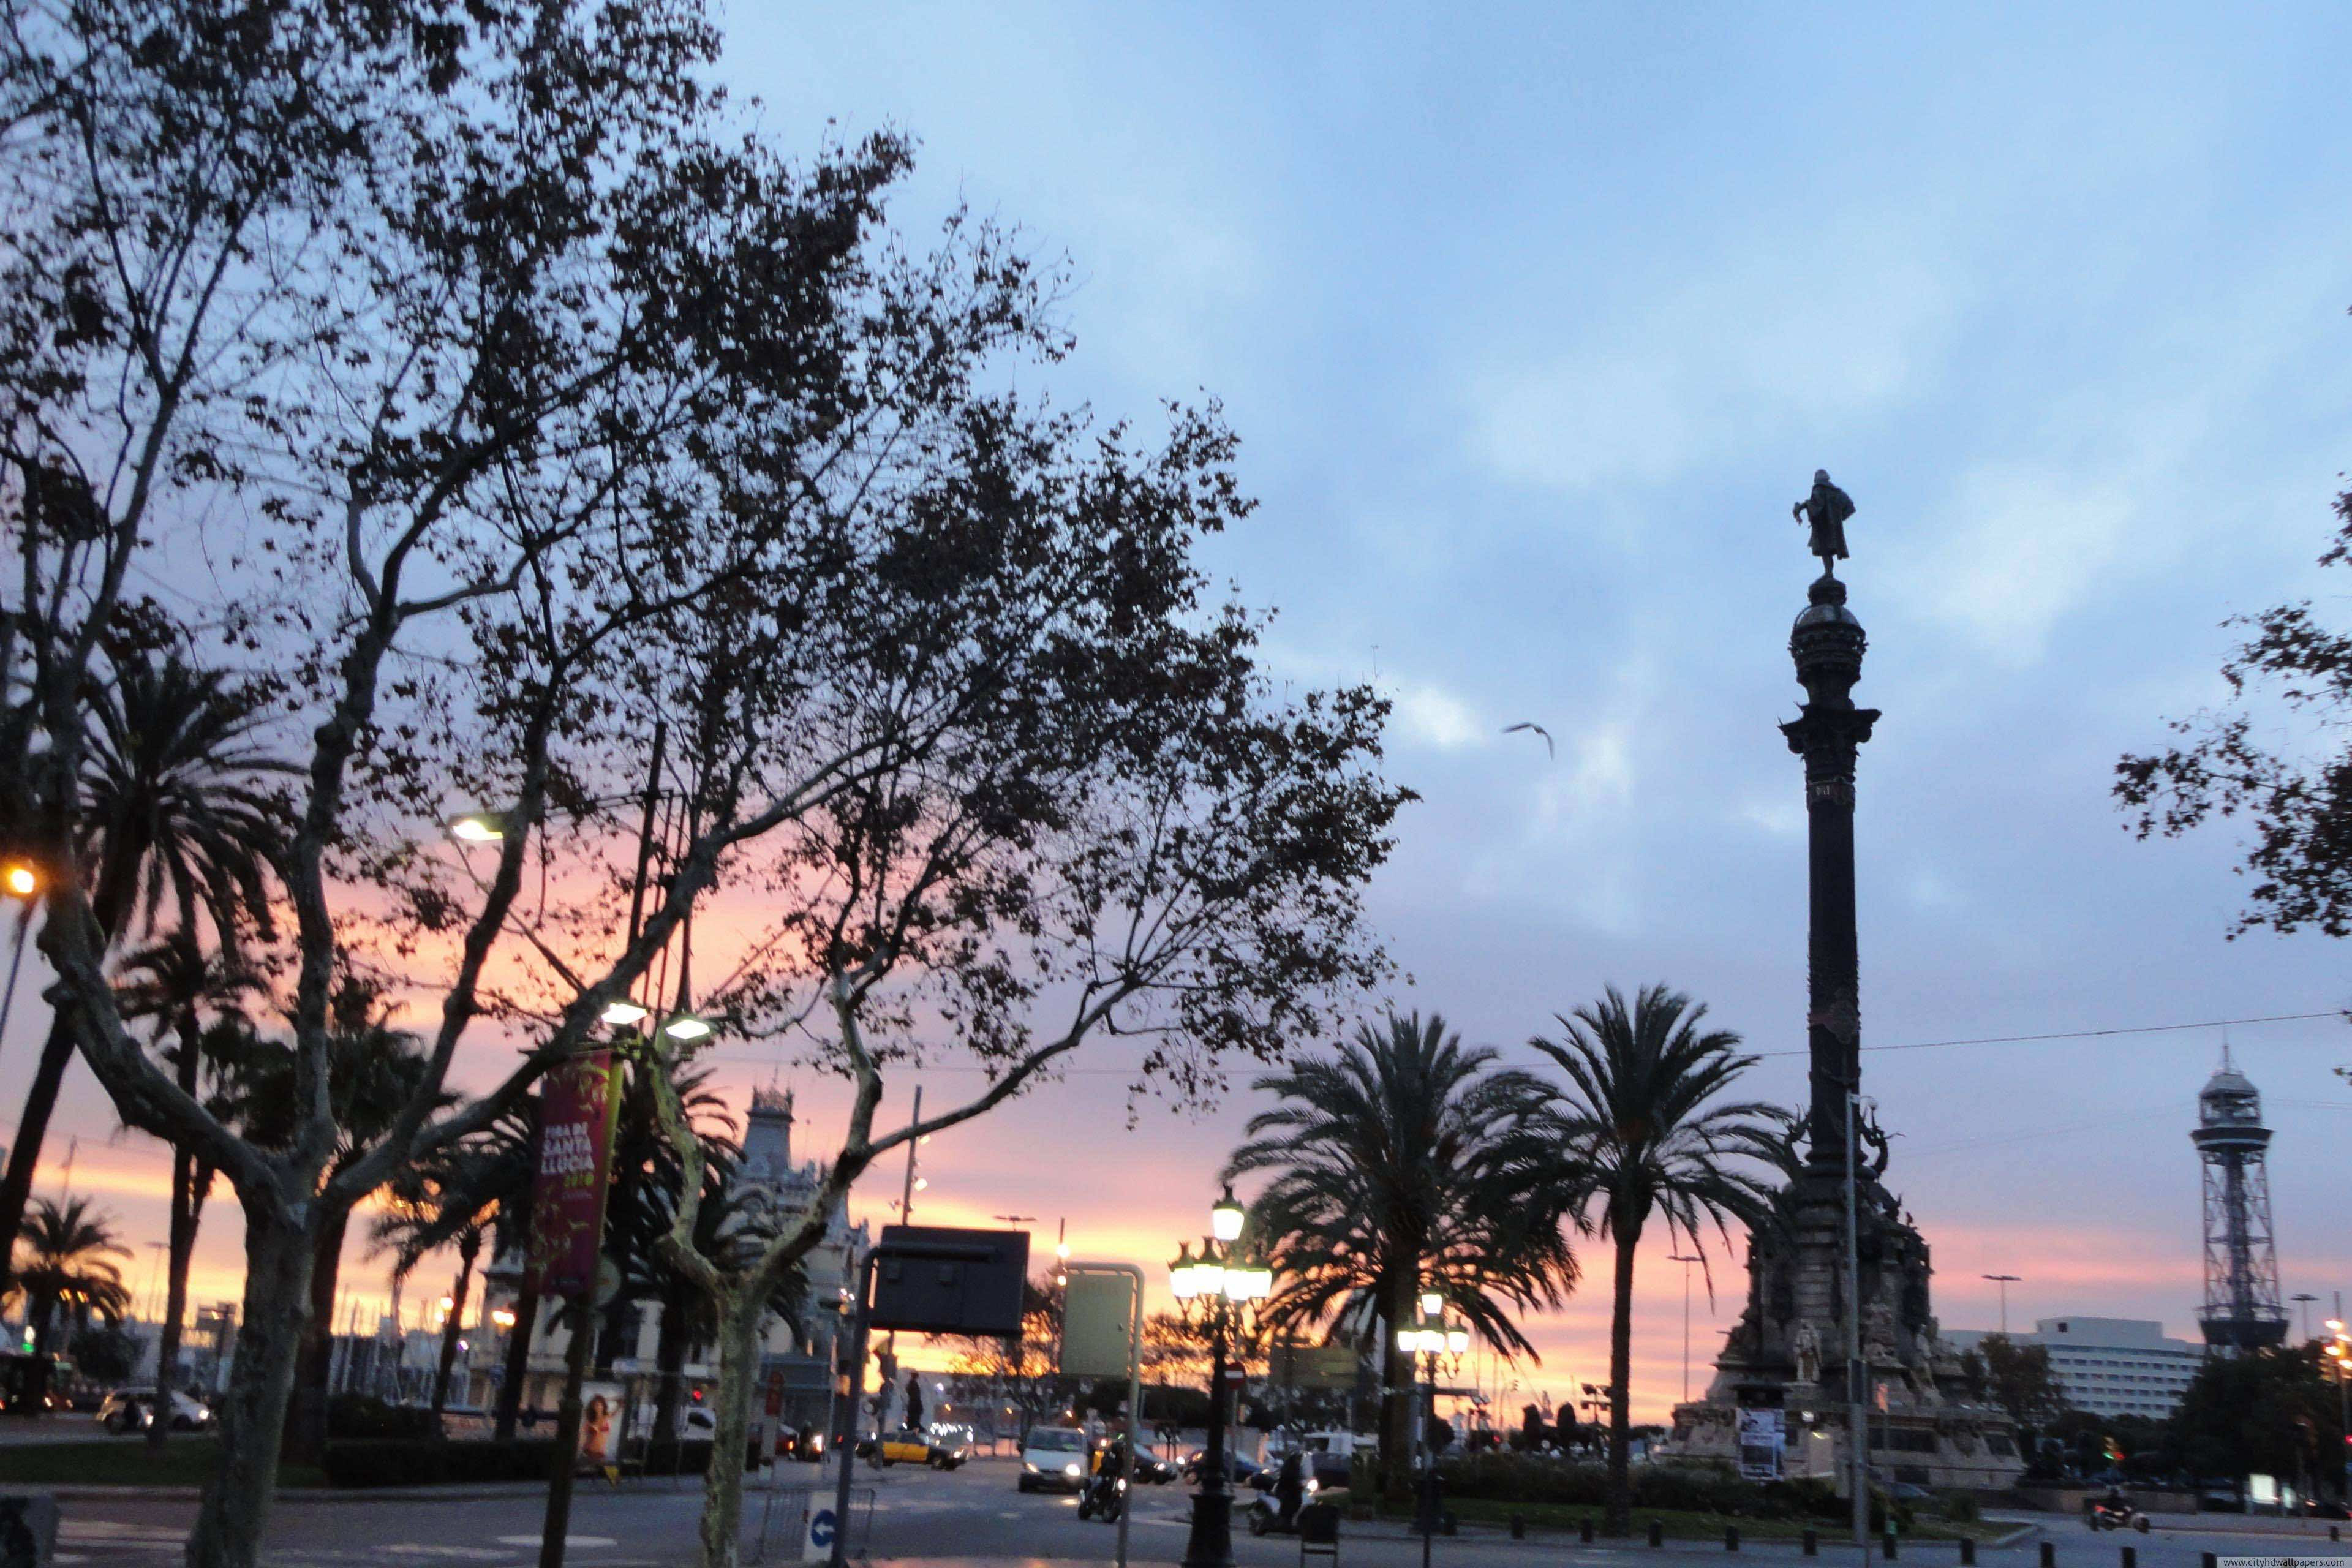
907, 1514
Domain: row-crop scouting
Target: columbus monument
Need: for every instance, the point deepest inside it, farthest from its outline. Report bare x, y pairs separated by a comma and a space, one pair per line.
1838, 1324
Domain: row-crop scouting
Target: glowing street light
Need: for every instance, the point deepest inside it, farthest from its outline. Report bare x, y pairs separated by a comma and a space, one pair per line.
622, 1014
480, 826
18, 880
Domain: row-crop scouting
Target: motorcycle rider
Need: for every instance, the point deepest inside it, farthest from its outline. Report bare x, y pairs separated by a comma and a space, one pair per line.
1289, 1488
1102, 1496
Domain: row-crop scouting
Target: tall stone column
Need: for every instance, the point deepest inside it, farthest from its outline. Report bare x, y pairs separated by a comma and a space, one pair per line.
1827, 644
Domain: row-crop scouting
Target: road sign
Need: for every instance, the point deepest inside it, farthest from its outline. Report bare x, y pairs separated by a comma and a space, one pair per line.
817, 1545
933, 1280
1313, 1366
1098, 1325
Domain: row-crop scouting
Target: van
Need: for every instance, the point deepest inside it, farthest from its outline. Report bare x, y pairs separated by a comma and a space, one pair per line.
1053, 1460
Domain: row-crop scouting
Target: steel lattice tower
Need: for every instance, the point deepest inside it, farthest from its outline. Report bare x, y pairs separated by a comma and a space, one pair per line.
2243, 1311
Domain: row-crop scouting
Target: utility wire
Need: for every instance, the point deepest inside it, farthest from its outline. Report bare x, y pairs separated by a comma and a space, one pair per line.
1909, 1046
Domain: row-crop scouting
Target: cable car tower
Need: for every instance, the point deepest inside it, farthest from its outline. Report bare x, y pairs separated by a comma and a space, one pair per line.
2243, 1311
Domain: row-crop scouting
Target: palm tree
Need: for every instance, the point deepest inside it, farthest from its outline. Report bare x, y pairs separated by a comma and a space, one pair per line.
1390, 1180
65, 1263
482, 1186
173, 983
373, 1070
176, 813
429, 1209
1636, 1132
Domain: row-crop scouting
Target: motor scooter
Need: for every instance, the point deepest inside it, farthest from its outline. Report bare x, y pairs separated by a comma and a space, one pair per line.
1264, 1518
2105, 1515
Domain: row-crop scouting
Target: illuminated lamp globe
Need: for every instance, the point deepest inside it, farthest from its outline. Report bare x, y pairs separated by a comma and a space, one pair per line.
1225, 1218
480, 826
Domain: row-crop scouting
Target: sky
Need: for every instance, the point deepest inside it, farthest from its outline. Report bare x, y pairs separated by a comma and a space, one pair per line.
1534, 320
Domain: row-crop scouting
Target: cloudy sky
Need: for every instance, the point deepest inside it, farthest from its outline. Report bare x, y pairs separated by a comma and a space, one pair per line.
1535, 321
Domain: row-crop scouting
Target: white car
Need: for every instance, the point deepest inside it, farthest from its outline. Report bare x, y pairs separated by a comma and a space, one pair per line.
133, 1410
1053, 1458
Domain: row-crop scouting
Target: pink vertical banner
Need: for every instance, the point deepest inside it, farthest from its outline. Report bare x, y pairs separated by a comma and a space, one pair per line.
578, 1104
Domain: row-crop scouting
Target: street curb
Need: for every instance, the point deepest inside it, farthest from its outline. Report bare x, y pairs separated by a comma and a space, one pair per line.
482, 1493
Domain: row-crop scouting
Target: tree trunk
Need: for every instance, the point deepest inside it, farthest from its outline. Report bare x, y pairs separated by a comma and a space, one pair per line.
235, 1507
453, 1325
185, 1180
1619, 1515
184, 1200
739, 1316
518, 1366
306, 1438
1397, 1394
32, 1127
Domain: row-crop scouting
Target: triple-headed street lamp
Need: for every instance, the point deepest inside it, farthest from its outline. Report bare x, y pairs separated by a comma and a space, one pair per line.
1430, 1336
1218, 1289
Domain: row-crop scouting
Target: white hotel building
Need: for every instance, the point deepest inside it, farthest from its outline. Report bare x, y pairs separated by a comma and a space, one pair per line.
2110, 1366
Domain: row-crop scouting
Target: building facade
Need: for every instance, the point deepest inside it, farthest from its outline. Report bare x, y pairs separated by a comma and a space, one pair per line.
2110, 1366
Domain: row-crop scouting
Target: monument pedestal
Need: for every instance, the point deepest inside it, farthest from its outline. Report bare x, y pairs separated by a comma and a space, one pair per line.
1778, 1392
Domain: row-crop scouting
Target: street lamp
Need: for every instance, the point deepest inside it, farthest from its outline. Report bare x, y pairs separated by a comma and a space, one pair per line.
2338, 1351
1219, 1287
2004, 1282
20, 881
1431, 1336
1686, 1260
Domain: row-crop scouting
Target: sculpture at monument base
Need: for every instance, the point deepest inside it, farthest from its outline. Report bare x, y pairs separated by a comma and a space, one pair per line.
1784, 1356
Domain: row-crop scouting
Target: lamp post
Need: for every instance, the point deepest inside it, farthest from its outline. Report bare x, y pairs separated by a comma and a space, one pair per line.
1219, 1286
2004, 1282
2338, 1351
1431, 1336
1687, 1261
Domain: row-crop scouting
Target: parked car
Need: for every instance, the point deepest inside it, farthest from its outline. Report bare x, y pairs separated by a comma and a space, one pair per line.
133, 1410
1052, 1458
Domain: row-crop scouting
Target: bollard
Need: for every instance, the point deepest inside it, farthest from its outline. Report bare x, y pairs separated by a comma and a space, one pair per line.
1731, 1538
1813, 1545
2207, 1560
2131, 1557
1584, 1533
2049, 1555
1657, 1532
1518, 1527
2335, 1533
1887, 1544
1968, 1553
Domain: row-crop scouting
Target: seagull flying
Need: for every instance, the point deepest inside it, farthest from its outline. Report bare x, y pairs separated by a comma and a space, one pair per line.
1549, 750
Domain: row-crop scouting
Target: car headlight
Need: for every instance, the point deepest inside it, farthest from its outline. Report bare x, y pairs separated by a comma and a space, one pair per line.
1028, 1467
1122, 1483
1313, 1485
1071, 1469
